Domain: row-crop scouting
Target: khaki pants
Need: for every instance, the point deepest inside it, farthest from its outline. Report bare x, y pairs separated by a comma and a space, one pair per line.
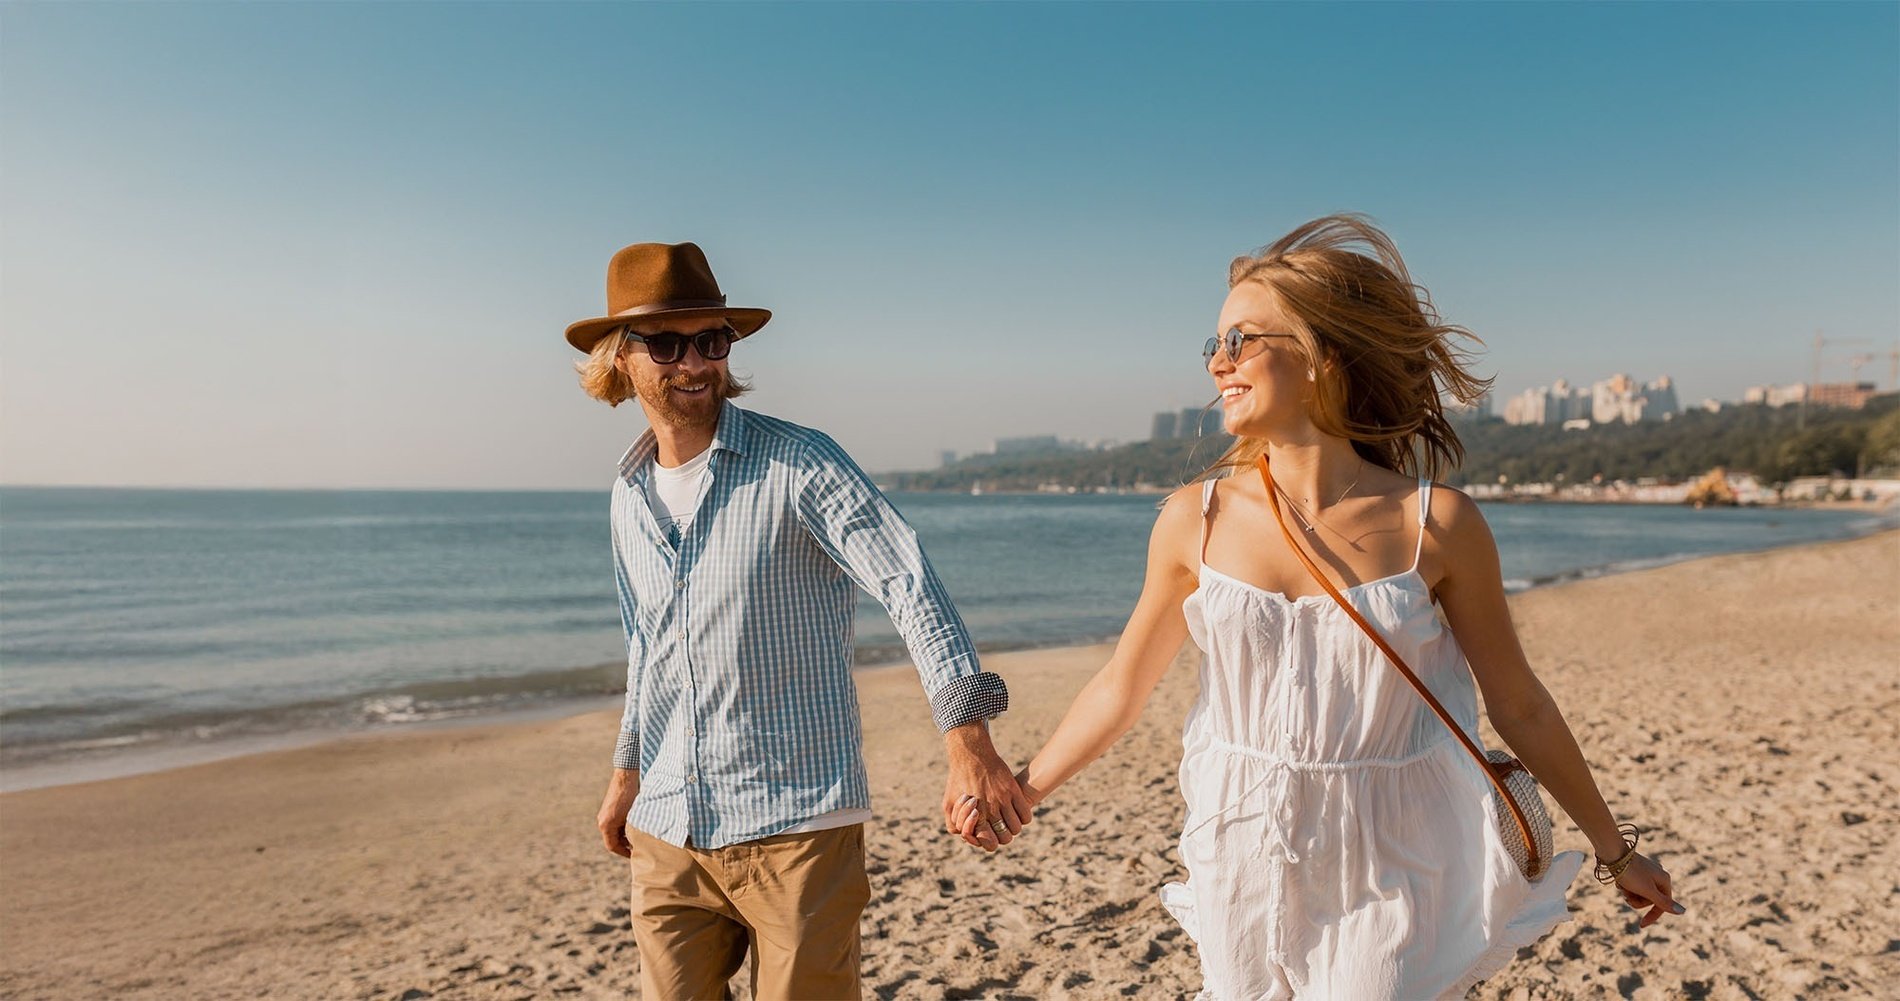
794, 899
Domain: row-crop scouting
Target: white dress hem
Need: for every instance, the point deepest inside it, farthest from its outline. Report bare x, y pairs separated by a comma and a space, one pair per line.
1519, 934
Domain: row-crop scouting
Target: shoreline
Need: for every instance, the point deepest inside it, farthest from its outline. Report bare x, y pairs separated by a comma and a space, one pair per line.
1742, 708
173, 751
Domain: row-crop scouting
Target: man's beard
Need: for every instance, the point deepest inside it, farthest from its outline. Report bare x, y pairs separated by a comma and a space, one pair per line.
698, 411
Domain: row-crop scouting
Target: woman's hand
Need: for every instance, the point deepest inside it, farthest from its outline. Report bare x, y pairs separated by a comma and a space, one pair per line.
1646, 885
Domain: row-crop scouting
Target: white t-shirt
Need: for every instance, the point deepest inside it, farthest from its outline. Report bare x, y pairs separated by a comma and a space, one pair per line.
674, 495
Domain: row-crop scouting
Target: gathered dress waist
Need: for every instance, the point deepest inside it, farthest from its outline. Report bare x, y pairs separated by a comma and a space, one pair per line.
1345, 765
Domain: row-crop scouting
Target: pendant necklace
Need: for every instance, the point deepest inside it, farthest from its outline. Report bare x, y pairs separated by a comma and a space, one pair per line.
1308, 525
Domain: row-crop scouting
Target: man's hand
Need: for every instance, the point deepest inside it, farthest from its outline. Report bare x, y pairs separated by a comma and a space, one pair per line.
977, 772
614, 808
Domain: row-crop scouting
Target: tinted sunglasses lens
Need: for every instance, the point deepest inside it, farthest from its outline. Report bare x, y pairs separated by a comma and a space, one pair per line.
1208, 349
665, 349
714, 344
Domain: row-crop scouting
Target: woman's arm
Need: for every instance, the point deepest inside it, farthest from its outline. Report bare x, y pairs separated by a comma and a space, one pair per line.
1471, 591
1112, 700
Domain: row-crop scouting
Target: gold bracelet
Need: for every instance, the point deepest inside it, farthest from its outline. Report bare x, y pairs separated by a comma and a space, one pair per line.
1607, 872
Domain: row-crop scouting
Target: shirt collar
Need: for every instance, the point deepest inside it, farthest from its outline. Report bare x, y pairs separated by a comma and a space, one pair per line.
730, 435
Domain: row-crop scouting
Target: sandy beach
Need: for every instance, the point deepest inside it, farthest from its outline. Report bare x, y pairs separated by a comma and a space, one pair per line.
1745, 710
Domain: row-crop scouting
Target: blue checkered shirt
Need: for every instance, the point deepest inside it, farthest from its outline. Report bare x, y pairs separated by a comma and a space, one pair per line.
741, 713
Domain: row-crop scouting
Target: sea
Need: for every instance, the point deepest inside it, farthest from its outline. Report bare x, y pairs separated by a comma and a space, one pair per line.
142, 629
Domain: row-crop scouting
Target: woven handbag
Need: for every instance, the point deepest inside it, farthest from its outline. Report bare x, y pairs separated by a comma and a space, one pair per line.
1523, 822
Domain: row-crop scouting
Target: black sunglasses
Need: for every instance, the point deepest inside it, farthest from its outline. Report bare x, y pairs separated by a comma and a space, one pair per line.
1232, 342
667, 347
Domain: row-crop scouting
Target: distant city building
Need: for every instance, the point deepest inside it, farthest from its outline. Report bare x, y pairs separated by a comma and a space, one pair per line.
1618, 399
1188, 424
947, 457
1610, 399
1191, 422
1527, 407
1846, 395
1776, 396
1661, 395
1571, 403
1549, 406
1196, 422
1475, 412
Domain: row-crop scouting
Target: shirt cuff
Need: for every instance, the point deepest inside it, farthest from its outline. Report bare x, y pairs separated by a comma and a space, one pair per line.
627, 751
968, 699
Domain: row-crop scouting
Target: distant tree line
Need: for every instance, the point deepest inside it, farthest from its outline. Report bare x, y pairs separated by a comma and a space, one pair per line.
1770, 442
1773, 443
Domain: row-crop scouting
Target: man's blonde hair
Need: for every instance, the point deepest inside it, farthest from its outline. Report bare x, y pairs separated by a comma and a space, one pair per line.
600, 377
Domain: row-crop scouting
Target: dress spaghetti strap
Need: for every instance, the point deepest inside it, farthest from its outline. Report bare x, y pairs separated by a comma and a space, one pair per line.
1424, 509
1207, 505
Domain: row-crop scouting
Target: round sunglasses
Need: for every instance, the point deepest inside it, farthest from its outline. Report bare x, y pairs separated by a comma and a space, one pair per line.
1232, 342
667, 347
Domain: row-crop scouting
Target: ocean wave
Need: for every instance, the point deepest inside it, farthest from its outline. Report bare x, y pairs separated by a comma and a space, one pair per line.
104, 723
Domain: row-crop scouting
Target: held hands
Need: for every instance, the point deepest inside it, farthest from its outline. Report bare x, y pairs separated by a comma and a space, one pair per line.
981, 794
969, 821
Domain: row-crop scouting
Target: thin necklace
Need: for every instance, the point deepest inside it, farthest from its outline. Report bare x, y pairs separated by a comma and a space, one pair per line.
1308, 525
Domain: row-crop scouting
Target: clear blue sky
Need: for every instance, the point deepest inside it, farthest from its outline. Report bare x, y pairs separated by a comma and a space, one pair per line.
336, 244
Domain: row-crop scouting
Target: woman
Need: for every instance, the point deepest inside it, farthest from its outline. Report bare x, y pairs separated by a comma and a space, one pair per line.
1339, 842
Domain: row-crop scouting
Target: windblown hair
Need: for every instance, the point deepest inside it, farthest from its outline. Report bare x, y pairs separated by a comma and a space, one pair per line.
1383, 359
603, 380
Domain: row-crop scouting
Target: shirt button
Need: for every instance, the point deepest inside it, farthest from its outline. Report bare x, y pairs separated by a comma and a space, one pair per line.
682, 634
679, 585
691, 777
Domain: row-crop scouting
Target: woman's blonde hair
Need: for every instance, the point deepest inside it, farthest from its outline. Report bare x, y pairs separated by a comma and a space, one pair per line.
600, 377
1382, 358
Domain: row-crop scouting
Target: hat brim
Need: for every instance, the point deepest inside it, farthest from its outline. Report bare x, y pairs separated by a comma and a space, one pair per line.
587, 333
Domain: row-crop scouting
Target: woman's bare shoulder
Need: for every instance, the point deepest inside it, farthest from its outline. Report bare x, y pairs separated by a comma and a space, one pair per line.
1457, 526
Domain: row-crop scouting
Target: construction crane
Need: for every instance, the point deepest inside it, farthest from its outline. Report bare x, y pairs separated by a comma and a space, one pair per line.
1821, 344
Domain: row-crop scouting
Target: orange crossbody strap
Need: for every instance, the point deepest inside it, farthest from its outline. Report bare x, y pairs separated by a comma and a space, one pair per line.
1490, 771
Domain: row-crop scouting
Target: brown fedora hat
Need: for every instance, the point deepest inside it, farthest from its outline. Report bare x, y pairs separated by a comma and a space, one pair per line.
662, 279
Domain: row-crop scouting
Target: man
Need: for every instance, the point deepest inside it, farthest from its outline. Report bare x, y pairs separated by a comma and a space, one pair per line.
739, 788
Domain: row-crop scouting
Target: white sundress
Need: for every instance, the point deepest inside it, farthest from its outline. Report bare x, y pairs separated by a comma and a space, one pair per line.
1339, 842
